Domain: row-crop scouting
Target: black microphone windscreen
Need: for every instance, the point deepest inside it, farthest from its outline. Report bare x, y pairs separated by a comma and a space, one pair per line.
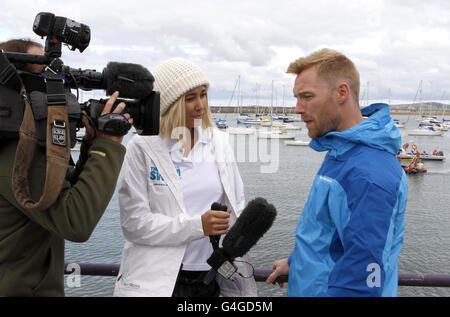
256, 218
133, 81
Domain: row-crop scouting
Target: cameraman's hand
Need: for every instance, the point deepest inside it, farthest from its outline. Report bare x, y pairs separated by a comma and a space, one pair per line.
91, 133
215, 222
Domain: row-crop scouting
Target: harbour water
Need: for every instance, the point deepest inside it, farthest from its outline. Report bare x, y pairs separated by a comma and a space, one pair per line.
426, 247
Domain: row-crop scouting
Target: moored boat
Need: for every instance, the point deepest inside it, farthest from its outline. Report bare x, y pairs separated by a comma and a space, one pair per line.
424, 155
296, 142
221, 123
425, 131
241, 130
275, 134
399, 124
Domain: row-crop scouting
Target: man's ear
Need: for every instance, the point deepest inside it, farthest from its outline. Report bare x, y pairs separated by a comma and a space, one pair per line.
342, 92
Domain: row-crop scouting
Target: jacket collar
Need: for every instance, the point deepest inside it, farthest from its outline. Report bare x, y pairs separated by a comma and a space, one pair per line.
377, 131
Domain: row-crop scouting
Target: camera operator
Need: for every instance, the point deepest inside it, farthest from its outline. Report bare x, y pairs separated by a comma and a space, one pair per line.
24, 46
32, 242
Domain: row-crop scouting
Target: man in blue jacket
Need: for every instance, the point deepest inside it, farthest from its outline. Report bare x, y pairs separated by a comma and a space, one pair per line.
351, 228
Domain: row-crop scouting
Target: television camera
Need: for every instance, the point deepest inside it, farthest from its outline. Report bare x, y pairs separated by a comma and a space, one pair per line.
133, 81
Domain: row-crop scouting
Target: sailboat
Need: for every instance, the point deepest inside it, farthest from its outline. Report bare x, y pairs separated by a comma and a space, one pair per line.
244, 127
274, 128
425, 128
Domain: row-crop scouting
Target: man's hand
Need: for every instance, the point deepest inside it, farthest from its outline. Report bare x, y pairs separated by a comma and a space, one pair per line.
280, 267
91, 134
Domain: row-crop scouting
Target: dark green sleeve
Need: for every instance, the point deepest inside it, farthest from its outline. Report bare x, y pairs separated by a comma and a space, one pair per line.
81, 204
73, 173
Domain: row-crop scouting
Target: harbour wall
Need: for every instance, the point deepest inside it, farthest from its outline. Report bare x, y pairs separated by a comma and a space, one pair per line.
290, 110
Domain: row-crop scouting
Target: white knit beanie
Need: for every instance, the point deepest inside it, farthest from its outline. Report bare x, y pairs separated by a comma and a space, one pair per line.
175, 77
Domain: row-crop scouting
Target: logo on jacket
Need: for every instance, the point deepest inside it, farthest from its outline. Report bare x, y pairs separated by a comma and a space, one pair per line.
157, 177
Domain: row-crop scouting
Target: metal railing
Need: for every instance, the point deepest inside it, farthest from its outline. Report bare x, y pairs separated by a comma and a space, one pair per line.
404, 279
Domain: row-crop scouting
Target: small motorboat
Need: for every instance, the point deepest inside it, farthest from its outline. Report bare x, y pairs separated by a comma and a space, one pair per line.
413, 166
414, 169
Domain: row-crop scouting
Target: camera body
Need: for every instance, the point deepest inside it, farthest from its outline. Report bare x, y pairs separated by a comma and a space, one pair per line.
145, 113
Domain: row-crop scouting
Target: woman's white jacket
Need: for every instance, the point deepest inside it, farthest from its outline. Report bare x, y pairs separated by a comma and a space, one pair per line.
155, 224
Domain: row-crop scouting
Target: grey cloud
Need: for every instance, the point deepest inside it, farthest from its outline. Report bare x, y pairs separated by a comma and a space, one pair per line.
395, 44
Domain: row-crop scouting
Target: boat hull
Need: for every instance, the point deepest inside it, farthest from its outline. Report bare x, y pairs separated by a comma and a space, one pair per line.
425, 133
296, 143
264, 135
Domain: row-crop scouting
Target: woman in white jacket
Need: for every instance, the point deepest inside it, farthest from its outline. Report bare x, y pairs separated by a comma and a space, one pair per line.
167, 185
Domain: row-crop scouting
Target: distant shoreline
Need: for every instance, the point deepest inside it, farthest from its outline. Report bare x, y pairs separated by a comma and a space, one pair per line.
290, 110
417, 112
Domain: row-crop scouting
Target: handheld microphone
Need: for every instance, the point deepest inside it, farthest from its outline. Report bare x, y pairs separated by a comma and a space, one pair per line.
256, 218
215, 239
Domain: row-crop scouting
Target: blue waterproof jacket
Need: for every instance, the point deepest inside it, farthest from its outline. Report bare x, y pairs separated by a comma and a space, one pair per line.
351, 228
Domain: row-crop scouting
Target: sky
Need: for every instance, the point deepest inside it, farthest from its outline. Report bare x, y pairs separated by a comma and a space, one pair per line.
397, 46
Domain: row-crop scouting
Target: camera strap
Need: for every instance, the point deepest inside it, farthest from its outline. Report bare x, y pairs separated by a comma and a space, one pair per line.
57, 148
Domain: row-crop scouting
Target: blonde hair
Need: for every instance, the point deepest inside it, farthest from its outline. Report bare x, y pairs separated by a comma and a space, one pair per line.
175, 118
331, 66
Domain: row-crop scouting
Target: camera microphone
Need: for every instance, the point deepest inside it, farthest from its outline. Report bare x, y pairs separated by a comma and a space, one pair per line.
131, 80
256, 218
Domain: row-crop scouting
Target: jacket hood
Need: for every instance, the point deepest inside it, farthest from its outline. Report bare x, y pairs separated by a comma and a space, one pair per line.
376, 131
